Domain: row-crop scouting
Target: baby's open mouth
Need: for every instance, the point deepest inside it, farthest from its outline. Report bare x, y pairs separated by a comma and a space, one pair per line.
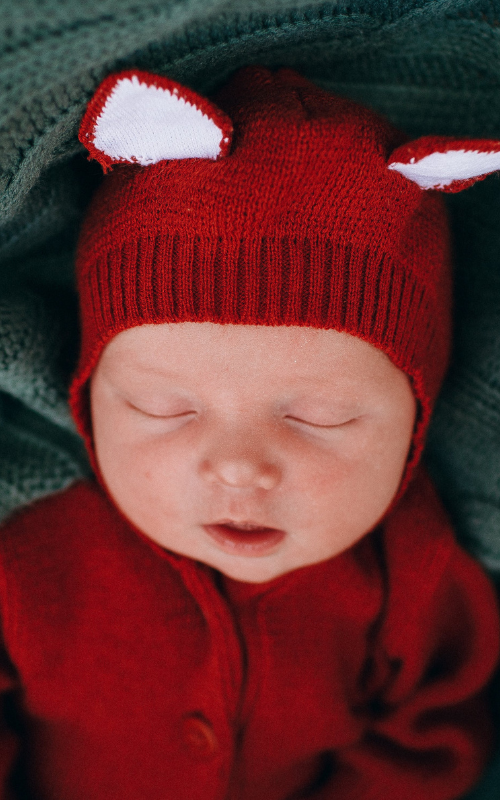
245, 538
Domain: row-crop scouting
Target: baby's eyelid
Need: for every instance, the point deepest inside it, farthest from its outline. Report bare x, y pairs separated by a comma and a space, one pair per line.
160, 416
317, 425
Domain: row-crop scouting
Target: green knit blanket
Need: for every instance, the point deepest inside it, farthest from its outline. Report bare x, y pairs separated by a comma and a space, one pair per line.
432, 66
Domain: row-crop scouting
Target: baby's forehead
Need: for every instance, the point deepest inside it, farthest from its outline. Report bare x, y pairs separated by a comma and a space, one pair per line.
261, 355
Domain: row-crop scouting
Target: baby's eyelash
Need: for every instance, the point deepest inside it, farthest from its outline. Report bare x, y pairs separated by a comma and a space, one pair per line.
170, 416
324, 427
159, 416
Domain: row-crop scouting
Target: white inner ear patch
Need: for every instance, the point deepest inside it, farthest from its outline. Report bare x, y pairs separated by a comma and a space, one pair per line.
146, 124
438, 170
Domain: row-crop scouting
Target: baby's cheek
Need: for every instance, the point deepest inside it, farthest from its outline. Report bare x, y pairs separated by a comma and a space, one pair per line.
356, 480
147, 485
152, 461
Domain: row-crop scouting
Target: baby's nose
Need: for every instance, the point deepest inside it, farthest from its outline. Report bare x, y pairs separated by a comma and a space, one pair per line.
240, 471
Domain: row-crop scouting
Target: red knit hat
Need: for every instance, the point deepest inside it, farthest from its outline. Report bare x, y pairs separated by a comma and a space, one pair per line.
280, 205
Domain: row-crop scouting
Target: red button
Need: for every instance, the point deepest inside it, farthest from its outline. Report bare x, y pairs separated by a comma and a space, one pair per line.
199, 737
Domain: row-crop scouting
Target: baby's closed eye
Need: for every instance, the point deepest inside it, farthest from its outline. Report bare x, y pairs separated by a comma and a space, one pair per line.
313, 423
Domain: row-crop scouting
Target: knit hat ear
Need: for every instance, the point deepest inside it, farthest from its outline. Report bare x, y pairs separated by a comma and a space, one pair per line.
445, 163
139, 118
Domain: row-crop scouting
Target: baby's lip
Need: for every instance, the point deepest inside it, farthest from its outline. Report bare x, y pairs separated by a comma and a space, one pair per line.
245, 538
246, 525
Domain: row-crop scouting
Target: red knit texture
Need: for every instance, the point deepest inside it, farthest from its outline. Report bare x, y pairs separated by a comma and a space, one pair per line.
137, 675
302, 224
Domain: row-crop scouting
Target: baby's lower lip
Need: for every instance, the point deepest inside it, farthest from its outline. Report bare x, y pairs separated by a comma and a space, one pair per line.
255, 542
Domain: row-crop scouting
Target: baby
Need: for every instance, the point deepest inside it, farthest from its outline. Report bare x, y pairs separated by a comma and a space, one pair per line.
260, 596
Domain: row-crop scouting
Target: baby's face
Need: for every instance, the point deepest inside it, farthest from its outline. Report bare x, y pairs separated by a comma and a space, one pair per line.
256, 450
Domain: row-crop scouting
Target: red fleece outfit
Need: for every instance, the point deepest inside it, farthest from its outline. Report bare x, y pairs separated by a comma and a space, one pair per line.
137, 673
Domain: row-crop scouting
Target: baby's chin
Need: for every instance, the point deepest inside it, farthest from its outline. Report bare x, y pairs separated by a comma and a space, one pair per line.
261, 571
254, 573
248, 567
